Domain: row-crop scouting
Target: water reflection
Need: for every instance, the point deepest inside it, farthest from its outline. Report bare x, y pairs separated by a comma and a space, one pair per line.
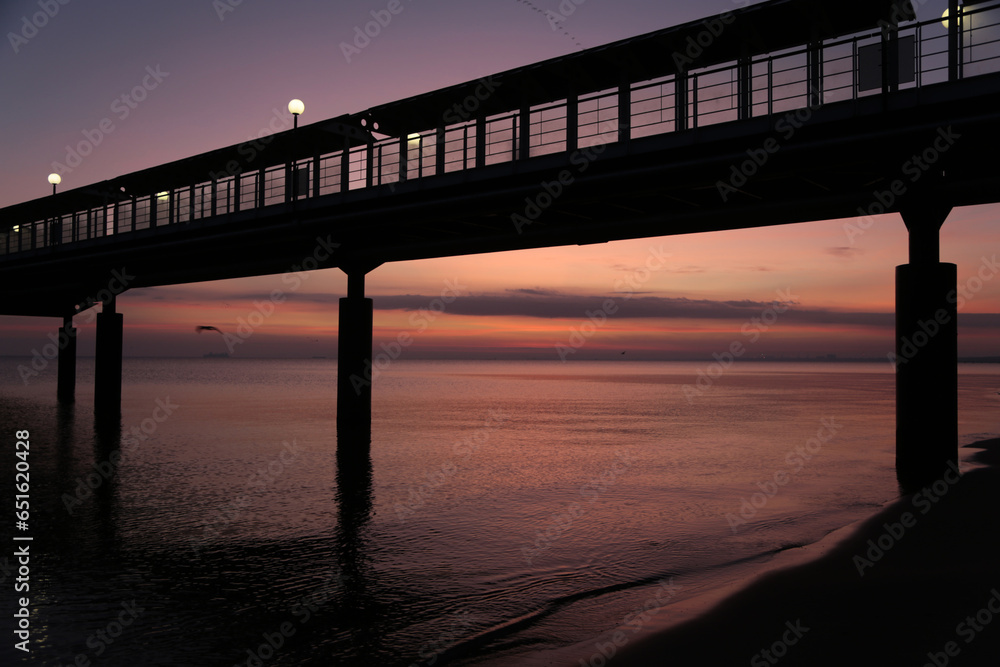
105, 472
65, 422
352, 540
108, 418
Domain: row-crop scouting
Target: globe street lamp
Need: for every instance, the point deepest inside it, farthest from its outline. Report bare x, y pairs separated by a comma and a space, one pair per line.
55, 179
296, 107
947, 13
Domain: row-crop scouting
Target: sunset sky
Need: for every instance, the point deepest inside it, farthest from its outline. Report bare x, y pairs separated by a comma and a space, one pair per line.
227, 67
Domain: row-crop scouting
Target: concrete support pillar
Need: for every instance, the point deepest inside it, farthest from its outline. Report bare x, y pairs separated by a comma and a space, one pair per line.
926, 355
66, 382
354, 360
108, 364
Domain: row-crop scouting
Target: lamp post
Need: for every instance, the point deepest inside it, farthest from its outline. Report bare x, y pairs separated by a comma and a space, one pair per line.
54, 224
296, 107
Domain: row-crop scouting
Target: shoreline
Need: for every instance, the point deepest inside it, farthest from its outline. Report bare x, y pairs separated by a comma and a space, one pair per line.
688, 608
897, 587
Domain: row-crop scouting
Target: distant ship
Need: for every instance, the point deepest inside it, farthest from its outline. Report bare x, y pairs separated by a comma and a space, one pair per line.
217, 355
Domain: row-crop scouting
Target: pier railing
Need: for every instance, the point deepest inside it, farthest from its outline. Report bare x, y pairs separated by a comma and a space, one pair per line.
843, 69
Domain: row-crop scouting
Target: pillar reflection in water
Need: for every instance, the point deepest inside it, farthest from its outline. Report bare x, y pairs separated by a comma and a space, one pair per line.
354, 502
107, 458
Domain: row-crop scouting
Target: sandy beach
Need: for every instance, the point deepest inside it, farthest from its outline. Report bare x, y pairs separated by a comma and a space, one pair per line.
916, 584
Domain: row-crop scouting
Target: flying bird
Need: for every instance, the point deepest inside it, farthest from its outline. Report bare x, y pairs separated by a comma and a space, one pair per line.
199, 329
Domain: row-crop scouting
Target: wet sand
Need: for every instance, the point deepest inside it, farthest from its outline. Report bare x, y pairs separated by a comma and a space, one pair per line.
917, 584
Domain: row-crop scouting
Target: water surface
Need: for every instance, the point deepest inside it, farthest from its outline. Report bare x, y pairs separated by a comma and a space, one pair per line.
509, 508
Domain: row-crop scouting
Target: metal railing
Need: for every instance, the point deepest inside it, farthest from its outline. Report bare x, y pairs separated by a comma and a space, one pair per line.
790, 80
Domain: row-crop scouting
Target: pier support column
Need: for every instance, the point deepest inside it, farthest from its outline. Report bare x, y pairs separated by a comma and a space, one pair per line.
108, 363
66, 382
926, 354
354, 359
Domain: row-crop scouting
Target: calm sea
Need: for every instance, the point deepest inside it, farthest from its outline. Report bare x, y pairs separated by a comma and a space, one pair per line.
510, 509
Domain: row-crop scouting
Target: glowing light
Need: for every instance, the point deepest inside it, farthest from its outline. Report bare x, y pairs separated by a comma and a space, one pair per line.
55, 179
944, 17
162, 196
296, 107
